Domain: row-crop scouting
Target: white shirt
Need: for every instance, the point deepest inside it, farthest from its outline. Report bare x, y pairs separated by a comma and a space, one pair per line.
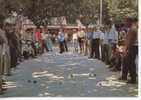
96, 35
81, 34
113, 34
43, 36
102, 37
106, 38
75, 36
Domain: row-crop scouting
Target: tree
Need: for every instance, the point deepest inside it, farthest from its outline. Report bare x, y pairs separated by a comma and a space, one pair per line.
119, 9
41, 11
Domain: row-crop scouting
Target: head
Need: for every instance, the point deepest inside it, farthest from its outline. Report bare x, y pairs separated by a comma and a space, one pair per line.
130, 22
75, 30
79, 29
28, 30
9, 27
45, 30
61, 30
38, 29
94, 29
134, 23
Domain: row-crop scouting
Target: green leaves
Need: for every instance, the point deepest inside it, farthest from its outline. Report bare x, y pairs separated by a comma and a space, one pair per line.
41, 11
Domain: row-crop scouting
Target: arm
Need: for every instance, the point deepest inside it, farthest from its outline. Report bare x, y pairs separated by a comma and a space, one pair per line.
2, 38
131, 38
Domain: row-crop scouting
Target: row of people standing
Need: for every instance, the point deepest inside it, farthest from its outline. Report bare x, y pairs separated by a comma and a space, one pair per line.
9, 51
12, 47
103, 44
40, 40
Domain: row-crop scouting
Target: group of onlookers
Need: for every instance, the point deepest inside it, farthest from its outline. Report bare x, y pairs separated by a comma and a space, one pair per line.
16, 45
9, 50
37, 41
118, 48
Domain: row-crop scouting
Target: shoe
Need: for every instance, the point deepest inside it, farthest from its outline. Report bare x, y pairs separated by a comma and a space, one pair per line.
131, 81
1, 92
110, 66
9, 74
121, 78
90, 57
113, 70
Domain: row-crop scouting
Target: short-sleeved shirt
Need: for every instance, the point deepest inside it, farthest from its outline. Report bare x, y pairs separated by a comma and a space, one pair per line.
75, 36
61, 37
81, 34
96, 35
89, 35
106, 38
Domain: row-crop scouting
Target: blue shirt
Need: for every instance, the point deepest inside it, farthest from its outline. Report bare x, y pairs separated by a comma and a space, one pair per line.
106, 38
113, 35
96, 35
61, 37
89, 35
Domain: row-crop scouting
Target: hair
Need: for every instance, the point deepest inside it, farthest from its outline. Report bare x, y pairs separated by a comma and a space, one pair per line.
130, 21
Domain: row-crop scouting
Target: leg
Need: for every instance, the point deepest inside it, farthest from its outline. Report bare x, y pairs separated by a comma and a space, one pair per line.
60, 46
103, 49
97, 52
92, 49
107, 53
132, 65
124, 71
66, 47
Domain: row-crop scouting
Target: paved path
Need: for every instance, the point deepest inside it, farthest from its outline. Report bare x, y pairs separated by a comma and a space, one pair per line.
66, 75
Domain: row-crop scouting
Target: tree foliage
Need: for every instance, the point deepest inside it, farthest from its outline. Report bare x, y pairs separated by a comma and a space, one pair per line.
41, 11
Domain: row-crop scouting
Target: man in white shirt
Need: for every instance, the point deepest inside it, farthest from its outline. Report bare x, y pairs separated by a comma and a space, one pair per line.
75, 41
105, 45
81, 38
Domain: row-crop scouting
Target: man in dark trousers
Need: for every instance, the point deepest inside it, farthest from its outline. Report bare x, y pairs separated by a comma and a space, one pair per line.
95, 44
131, 47
61, 40
13, 42
2, 41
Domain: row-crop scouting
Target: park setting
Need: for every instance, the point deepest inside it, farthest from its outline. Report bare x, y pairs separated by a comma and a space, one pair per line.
69, 48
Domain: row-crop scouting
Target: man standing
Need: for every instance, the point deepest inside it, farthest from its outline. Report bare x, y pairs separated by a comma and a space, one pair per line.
44, 36
2, 41
131, 47
12, 42
88, 38
113, 39
65, 41
81, 37
75, 40
105, 46
96, 43
38, 41
61, 40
